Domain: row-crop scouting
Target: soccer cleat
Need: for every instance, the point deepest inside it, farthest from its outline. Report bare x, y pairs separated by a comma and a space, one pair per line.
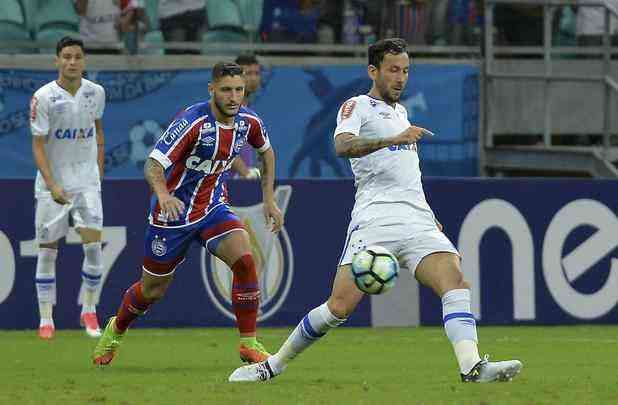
253, 352
108, 344
253, 372
89, 321
489, 371
46, 332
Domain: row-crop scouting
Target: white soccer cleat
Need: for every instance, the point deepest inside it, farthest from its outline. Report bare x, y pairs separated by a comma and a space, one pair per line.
253, 372
489, 371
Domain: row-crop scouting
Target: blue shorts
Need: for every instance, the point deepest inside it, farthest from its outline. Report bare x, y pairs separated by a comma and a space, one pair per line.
165, 247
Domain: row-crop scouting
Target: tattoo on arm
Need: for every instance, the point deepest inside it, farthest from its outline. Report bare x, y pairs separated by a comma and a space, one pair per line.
355, 146
154, 174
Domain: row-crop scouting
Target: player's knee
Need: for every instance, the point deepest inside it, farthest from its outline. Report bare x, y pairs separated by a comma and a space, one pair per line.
339, 307
154, 292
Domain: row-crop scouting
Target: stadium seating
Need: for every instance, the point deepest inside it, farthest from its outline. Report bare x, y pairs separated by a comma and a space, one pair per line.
224, 14
251, 13
52, 36
13, 25
58, 15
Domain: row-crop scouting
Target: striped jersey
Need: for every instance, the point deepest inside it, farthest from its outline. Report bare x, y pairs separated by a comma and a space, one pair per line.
195, 151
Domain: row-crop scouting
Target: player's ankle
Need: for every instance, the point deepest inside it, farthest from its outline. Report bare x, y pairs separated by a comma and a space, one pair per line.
276, 364
248, 340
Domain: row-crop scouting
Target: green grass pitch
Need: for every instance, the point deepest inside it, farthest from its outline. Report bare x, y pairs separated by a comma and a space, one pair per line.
562, 365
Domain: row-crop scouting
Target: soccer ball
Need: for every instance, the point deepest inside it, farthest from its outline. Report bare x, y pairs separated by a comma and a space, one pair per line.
375, 270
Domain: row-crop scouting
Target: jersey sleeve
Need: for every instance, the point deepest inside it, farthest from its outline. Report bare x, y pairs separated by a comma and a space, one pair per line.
258, 136
101, 103
177, 140
39, 117
349, 118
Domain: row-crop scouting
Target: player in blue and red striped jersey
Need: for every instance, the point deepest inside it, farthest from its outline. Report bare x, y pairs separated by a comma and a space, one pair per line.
185, 171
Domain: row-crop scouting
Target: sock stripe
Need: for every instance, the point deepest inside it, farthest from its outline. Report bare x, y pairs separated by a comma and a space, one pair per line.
454, 315
45, 280
91, 276
309, 329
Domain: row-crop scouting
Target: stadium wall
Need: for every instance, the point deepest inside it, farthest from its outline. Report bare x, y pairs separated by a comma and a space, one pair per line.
299, 105
535, 252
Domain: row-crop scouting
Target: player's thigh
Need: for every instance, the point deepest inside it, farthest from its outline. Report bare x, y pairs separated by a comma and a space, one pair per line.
345, 296
87, 213
224, 235
434, 261
51, 221
165, 249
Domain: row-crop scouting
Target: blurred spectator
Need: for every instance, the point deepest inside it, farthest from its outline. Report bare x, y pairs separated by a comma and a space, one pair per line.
463, 22
519, 25
330, 21
409, 19
290, 21
591, 24
133, 23
99, 22
182, 21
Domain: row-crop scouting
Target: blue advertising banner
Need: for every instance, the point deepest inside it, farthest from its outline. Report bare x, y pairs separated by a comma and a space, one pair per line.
299, 106
535, 251
296, 268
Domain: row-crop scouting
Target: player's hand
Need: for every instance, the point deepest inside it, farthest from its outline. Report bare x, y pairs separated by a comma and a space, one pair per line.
171, 206
59, 195
411, 135
273, 216
439, 225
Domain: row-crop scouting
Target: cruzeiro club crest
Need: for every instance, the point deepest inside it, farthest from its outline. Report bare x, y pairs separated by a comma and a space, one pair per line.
273, 257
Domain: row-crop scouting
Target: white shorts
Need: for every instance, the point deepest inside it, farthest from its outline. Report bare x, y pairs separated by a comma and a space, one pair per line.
51, 220
408, 244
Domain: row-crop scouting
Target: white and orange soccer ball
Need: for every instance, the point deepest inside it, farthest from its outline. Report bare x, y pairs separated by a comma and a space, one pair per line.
375, 270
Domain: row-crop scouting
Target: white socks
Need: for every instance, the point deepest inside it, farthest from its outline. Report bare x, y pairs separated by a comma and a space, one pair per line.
310, 329
91, 275
460, 328
45, 280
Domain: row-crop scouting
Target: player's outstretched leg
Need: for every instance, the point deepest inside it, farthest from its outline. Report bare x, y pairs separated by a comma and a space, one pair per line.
441, 272
133, 305
92, 270
310, 329
45, 280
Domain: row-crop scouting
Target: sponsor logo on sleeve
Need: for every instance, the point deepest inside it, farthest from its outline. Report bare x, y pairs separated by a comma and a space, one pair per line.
346, 110
33, 105
175, 130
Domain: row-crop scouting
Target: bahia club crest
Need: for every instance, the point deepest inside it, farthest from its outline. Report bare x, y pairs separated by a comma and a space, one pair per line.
273, 257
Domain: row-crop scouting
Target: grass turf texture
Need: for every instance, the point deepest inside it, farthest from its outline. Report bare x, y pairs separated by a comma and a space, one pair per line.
574, 365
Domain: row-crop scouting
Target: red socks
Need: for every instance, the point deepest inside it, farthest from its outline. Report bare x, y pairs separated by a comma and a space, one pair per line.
245, 294
133, 305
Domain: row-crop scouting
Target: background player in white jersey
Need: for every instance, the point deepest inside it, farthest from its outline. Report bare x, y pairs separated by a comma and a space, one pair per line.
390, 210
68, 148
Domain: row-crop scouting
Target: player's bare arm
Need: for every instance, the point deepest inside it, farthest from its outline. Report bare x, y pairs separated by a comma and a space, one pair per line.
42, 163
100, 147
272, 213
352, 146
155, 176
239, 166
